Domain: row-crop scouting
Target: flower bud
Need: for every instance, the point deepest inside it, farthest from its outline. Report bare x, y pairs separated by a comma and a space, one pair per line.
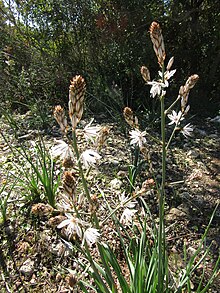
76, 98
158, 42
69, 182
59, 115
145, 73
170, 63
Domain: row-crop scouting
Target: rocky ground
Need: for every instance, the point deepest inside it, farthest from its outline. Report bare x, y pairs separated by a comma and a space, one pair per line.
33, 256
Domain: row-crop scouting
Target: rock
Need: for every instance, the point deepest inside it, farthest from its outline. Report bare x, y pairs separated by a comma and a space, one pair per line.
122, 174
213, 135
193, 154
116, 184
201, 132
115, 162
216, 119
27, 268
184, 195
176, 213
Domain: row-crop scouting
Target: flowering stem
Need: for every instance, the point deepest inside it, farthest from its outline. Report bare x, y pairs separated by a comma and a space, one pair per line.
80, 167
161, 232
171, 106
85, 186
117, 208
171, 137
174, 130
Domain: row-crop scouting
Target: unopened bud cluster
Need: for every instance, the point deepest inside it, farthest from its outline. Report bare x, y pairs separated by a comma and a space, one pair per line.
130, 118
158, 42
59, 115
102, 136
76, 99
69, 183
184, 92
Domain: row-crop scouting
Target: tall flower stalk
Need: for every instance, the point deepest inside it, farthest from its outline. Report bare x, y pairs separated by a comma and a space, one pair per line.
159, 48
158, 89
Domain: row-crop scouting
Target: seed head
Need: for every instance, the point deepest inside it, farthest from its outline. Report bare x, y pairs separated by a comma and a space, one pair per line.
158, 42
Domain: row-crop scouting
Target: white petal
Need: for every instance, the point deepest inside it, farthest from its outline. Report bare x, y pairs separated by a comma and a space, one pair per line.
91, 236
63, 223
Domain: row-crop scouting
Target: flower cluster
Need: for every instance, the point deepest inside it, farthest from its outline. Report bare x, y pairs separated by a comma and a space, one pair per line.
158, 87
75, 227
129, 211
73, 160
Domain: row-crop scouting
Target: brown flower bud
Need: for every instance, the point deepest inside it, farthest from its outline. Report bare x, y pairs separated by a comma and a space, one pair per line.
145, 73
129, 117
158, 42
191, 81
170, 63
55, 221
59, 115
71, 280
184, 90
69, 182
68, 163
76, 98
41, 209
102, 137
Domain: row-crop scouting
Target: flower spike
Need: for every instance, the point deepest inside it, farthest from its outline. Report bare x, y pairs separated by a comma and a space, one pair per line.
158, 42
76, 98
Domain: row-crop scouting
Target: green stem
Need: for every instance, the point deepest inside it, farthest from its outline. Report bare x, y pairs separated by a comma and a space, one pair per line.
85, 186
80, 168
173, 104
174, 130
171, 137
161, 231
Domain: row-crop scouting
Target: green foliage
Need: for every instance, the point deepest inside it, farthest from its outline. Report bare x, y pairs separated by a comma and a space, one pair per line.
41, 173
37, 171
106, 42
141, 263
4, 196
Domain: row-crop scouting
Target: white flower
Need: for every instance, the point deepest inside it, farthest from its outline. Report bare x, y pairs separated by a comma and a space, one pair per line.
169, 74
73, 226
91, 236
175, 118
156, 88
137, 137
186, 131
90, 157
91, 132
61, 150
65, 203
127, 216
125, 202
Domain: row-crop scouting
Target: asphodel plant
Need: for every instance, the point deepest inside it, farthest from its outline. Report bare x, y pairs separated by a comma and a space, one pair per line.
159, 48
158, 90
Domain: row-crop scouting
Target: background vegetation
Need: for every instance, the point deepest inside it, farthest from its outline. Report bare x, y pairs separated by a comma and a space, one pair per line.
43, 44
